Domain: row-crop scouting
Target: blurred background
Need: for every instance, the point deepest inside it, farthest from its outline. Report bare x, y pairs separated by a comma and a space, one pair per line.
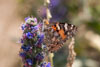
85, 14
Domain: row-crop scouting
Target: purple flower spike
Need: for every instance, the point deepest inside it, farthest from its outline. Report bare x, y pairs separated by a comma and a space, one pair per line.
32, 49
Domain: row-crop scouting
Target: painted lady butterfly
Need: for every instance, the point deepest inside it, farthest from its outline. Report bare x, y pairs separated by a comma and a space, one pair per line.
57, 34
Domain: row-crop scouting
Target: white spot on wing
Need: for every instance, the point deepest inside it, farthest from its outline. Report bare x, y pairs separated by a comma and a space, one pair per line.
71, 27
58, 27
66, 28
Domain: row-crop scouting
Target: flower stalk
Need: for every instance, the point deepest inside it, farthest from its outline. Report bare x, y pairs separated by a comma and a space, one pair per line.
72, 54
48, 16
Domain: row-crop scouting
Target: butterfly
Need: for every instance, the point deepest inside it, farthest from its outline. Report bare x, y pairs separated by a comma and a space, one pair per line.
57, 34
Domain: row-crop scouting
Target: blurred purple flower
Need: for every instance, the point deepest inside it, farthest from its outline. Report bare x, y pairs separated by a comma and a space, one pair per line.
58, 13
48, 65
21, 41
40, 57
40, 40
26, 18
35, 28
35, 19
29, 61
22, 54
54, 3
29, 35
25, 48
24, 36
43, 64
23, 26
57, 9
27, 25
